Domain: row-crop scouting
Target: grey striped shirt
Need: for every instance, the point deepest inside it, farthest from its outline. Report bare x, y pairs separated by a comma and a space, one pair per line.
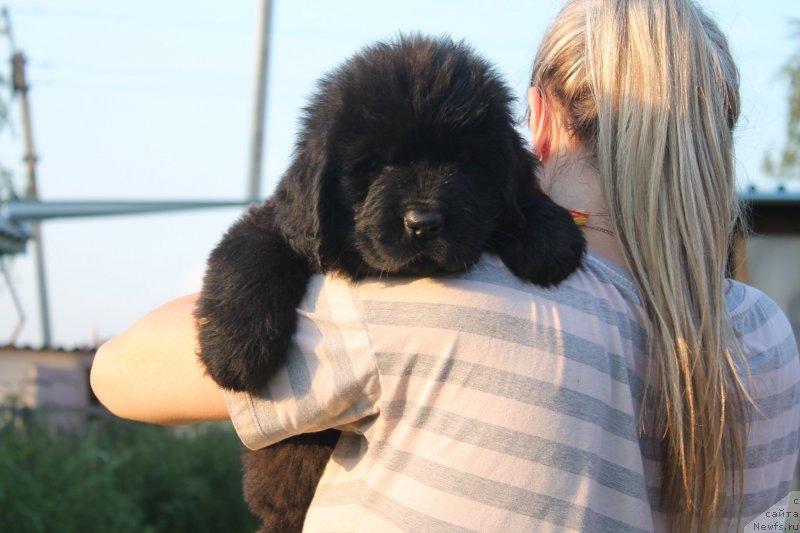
480, 403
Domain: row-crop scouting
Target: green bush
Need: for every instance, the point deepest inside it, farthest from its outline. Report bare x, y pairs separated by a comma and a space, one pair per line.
122, 477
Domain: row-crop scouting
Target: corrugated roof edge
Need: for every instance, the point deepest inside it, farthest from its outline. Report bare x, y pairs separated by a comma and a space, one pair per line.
781, 194
77, 349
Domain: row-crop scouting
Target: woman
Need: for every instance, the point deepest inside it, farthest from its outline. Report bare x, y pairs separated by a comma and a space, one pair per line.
644, 393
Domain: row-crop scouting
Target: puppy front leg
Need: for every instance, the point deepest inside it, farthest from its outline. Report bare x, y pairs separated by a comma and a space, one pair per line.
246, 313
546, 247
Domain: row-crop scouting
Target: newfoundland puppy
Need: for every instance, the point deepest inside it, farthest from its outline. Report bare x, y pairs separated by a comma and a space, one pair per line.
407, 163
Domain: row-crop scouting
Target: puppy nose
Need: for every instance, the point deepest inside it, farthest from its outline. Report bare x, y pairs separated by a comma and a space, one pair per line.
423, 223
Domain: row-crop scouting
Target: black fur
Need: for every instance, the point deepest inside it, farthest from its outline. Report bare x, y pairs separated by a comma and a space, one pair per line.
407, 163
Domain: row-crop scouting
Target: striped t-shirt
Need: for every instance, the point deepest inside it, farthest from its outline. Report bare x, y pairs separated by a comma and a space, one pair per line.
478, 402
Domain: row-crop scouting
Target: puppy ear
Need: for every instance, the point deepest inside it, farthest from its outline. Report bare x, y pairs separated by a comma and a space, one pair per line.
306, 204
535, 237
522, 182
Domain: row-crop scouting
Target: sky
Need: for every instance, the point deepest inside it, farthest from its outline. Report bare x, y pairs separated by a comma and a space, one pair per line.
150, 99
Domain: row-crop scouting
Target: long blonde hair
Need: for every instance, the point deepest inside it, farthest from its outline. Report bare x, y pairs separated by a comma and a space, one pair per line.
650, 86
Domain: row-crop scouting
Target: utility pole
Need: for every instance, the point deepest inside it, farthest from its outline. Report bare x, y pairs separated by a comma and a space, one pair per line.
259, 101
19, 85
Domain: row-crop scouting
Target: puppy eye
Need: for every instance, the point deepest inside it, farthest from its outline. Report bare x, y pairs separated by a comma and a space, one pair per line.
367, 166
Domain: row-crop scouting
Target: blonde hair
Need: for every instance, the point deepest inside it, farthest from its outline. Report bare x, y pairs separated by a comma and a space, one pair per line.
651, 88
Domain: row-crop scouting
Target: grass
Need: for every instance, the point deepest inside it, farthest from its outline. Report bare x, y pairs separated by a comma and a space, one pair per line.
121, 477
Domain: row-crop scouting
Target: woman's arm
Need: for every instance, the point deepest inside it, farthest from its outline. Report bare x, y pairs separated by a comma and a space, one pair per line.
151, 372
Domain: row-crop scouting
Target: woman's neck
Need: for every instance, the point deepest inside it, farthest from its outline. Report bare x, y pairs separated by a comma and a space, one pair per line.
573, 181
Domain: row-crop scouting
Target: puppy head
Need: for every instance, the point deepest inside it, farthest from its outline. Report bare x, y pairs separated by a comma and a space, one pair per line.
408, 161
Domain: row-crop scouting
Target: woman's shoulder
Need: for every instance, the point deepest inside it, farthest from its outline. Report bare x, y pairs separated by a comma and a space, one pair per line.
752, 310
763, 329
597, 280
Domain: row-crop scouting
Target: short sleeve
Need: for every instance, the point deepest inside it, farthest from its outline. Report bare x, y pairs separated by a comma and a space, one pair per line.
773, 376
330, 379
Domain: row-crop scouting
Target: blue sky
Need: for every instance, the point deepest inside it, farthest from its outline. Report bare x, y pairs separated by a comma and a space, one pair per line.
150, 99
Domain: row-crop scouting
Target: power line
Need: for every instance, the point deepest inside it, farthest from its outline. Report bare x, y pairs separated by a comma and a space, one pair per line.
136, 71
204, 25
232, 90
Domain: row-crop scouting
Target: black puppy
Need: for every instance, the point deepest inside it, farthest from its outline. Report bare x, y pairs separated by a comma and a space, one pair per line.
407, 163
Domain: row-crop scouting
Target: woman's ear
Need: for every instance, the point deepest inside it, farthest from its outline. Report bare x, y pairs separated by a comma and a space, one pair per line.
539, 123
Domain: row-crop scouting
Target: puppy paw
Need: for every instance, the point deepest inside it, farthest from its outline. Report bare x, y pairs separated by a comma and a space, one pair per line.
247, 311
547, 247
234, 363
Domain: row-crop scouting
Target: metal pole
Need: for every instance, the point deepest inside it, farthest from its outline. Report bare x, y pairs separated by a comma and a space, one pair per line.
20, 87
15, 299
259, 101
